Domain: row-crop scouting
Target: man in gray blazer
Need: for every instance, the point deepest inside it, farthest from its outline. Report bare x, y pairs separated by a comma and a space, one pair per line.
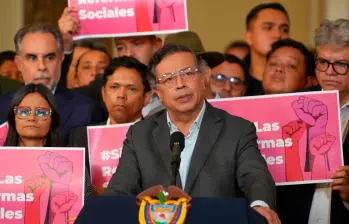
221, 156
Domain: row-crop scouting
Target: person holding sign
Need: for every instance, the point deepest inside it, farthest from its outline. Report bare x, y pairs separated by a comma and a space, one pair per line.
140, 47
217, 156
325, 203
34, 122
125, 92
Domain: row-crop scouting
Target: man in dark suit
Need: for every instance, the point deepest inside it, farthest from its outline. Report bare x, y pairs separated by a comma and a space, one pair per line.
39, 50
125, 92
221, 156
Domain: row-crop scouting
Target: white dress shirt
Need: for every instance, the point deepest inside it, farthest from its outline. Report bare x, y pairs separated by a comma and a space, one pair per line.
320, 212
153, 103
108, 121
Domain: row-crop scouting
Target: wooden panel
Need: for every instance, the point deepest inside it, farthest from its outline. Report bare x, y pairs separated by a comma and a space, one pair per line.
49, 11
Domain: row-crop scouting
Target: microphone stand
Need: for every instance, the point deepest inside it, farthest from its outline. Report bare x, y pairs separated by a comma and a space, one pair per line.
175, 162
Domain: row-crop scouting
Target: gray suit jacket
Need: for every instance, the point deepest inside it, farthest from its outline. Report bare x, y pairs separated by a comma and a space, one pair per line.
226, 161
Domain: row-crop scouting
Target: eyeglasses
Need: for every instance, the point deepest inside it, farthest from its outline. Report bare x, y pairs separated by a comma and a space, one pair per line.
39, 113
340, 68
220, 80
170, 79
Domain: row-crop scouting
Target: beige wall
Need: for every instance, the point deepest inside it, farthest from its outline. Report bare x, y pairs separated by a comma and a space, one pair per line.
217, 21
11, 19
221, 21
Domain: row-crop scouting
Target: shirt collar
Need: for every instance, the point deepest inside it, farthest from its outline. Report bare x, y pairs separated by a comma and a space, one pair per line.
108, 121
345, 106
217, 96
196, 124
54, 90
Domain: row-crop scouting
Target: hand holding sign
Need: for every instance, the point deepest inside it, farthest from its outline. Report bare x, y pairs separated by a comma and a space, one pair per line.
341, 182
68, 25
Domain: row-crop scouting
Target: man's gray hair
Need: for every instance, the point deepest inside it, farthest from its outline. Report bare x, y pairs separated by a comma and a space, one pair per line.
333, 33
38, 28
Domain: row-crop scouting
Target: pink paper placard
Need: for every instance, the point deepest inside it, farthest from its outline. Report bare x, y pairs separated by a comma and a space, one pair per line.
112, 18
105, 150
38, 184
3, 133
291, 127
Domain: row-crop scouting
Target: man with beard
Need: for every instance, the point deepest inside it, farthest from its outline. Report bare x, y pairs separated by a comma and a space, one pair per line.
39, 49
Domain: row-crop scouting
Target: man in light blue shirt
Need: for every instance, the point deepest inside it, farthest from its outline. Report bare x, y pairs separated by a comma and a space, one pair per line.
221, 156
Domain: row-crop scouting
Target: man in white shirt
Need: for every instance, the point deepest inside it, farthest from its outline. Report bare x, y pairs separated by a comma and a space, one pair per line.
325, 203
332, 63
125, 91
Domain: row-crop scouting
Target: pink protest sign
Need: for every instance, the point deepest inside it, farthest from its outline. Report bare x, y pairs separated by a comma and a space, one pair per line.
3, 133
105, 149
41, 185
113, 18
298, 134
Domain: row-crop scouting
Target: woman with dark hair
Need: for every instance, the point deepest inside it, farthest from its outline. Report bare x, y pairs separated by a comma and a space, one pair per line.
33, 119
90, 64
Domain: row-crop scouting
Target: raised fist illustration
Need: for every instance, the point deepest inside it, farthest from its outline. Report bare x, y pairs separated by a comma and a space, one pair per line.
321, 144
56, 167
294, 130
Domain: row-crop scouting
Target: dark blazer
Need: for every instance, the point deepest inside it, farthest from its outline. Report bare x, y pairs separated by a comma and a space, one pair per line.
65, 69
78, 138
226, 161
93, 90
74, 109
8, 85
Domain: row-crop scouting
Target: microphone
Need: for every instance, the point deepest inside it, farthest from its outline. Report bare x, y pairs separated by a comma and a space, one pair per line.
177, 146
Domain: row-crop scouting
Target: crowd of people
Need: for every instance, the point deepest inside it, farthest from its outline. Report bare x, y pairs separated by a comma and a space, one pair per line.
52, 88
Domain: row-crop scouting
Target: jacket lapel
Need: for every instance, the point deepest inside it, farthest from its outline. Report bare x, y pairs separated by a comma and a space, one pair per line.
346, 149
161, 143
209, 131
